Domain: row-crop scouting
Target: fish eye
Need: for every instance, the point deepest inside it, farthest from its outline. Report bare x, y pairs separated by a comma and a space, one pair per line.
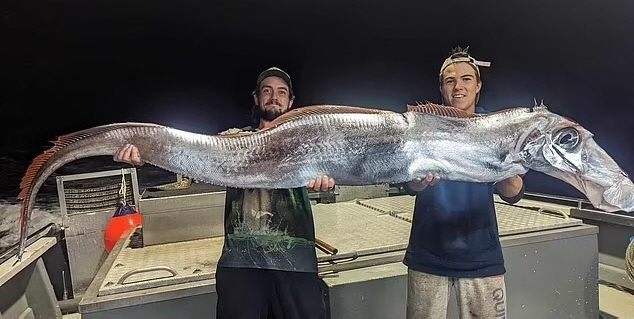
567, 138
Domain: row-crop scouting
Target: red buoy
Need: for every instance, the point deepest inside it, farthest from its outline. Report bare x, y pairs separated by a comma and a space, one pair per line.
124, 219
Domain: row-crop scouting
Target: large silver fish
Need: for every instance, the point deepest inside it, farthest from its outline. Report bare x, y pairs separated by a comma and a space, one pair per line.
359, 146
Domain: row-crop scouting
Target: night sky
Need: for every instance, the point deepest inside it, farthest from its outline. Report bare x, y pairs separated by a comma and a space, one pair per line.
71, 65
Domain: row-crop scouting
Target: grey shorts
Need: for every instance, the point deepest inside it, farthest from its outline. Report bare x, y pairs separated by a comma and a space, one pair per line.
430, 296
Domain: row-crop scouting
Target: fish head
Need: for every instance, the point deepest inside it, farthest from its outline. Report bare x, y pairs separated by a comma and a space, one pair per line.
565, 150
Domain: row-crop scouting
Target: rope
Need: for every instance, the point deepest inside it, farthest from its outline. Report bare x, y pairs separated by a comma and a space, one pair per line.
123, 189
629, 259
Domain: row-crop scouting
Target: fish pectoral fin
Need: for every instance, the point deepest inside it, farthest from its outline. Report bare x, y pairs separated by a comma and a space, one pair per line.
513, 157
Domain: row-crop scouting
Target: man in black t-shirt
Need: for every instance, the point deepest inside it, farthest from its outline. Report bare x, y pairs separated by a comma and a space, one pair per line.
268, 266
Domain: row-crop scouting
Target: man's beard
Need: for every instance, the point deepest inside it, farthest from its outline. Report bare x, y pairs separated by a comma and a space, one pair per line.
268, 114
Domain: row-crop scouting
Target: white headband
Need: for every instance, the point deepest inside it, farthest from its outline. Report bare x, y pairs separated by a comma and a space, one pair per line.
468, 59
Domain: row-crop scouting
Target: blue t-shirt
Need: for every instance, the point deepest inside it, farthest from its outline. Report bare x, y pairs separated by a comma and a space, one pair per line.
454, 230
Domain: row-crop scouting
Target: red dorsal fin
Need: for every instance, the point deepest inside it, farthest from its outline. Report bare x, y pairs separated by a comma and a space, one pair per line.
62, 141
441, 110
322, 109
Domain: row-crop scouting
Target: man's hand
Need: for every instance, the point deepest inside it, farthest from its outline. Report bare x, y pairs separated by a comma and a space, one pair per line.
419, 184
510, 187
128, 154
234, 131
322, 183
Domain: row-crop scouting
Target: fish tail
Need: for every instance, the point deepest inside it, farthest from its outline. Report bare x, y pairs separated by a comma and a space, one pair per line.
67, 148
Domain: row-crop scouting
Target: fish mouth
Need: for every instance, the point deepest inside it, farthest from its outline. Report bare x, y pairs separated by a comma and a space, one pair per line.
619, 196
605, 183
596, 175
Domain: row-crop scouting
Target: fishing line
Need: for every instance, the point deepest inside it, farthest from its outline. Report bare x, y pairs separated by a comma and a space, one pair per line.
122, 190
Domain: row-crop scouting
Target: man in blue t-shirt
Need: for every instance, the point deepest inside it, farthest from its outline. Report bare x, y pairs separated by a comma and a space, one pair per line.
454, 241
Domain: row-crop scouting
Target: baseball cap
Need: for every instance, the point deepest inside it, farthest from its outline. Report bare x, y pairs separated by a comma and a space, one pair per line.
468, 59
274, 71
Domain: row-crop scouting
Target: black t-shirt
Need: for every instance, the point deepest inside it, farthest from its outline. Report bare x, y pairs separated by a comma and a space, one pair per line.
268, 228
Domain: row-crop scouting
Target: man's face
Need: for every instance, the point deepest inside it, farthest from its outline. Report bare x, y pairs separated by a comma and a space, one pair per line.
460, 86
273, 98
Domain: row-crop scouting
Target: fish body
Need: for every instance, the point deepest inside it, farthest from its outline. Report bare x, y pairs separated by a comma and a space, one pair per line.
359, 146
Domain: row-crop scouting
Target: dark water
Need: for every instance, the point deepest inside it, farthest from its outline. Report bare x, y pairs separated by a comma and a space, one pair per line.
46, 211
12, 169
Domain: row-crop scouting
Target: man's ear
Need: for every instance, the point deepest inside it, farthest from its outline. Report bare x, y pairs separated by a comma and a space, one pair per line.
255, 98
290, 103
442, 96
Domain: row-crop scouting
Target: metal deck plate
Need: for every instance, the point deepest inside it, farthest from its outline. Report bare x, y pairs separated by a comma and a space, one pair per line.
350, 227
387, 205
511, 219
515, 220
364, 227
190, 260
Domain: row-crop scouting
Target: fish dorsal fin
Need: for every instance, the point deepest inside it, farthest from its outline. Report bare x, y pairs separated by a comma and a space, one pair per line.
62, 141
441, 110
319, 110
